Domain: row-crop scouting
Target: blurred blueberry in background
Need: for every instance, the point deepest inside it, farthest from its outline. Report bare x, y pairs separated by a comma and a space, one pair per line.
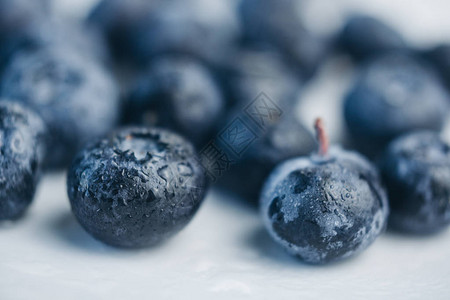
439, 57
180, 93
73, 94
393, 95
22, 147
279, 23
18, 19
139, 30
416, 170
364, 37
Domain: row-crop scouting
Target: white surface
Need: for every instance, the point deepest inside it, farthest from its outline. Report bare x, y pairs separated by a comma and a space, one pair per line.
225, 252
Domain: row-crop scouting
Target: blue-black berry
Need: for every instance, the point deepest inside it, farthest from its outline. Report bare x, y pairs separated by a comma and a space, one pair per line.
279, 24
416, 170
324, 207
177, 93
18, 20
280, 140
264, 93
117, 21
395, 94
254, 70
76, 97
440, 59
364, 37
140, 30
137, 187
22, 146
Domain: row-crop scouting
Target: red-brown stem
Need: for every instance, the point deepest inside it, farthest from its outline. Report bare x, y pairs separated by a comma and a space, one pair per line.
322, 137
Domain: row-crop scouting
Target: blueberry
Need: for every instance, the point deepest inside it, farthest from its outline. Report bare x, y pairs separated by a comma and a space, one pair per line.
440, 58
27, 25
18, 18
137, 187
324, 207
395, 94
263, 88
205, 29
278, 23
254, 70
22, 146
364, 37
177, 93
416, 170
283, 139
54, 33
140, 30
117, 21
76, 98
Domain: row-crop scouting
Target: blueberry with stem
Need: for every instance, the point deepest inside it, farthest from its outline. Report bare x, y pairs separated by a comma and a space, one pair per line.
324, 207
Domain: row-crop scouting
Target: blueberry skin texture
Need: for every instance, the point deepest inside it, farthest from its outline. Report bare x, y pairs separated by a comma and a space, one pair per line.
76, 98
364, 37
22, 146
395, 94
178, 93
324, 209
416, 170
136, 188
279, 141
277, 23
439, 57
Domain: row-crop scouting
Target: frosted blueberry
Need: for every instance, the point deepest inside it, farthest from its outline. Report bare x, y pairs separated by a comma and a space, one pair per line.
324, 207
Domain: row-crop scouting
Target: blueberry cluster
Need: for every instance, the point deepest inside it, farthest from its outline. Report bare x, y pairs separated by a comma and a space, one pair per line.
148, 103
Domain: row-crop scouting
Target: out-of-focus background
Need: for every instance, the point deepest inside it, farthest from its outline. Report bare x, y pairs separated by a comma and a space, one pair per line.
225, 252
422, 23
